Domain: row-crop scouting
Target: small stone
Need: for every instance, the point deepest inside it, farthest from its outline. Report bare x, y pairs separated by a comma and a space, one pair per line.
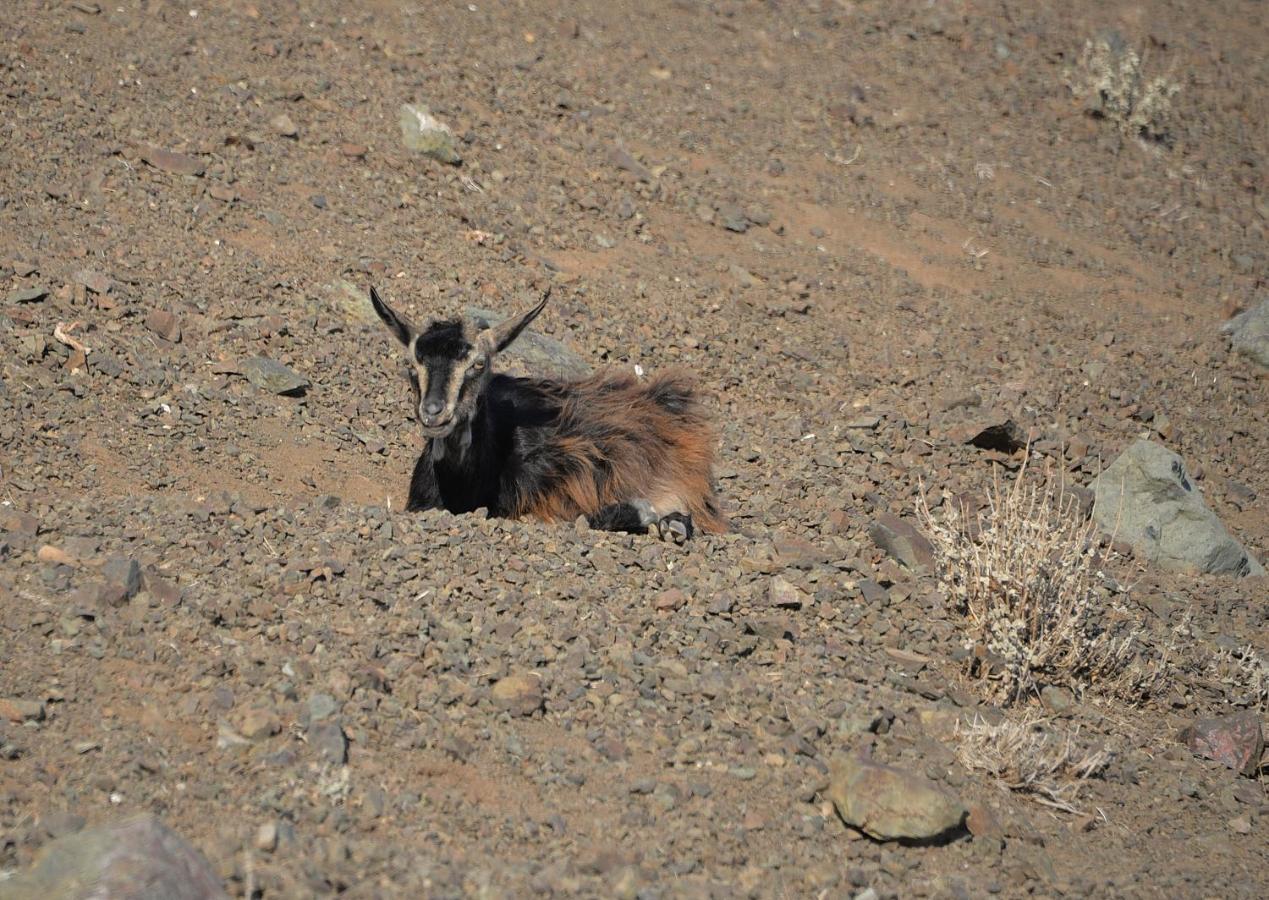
173, 163
982, 822
354, 151
785, 595
520, 695
95, 281
164, 324
122, 577
424, 133
733, 218
28, 294
669, 600
890, 804
1235, 740
16, 710
321, 707
904, 543
624, 161
284, 125
1240, 825
267, 837
55, 556
272, 376
258, 723
328, 739
222, 192
1000, 434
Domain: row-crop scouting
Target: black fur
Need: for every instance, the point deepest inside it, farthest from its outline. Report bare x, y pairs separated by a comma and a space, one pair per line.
620, 517
444, 340
506, 456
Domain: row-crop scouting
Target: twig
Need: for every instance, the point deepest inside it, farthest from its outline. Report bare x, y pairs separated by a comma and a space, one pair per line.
61, 331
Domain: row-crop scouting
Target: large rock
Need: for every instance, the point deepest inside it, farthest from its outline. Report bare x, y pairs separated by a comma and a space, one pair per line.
134, 859
540, 355
1235, 740
1249, 333
889, 804
270, 375
1146, 499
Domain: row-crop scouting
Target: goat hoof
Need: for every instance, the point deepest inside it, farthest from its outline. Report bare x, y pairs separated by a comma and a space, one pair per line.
676, 527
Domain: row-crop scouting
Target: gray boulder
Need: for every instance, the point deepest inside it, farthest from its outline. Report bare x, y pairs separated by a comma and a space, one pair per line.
1249, 333
134, 859
538, 354
1146, 499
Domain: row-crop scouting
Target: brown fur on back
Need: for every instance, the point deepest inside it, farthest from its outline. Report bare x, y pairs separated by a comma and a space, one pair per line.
621, 439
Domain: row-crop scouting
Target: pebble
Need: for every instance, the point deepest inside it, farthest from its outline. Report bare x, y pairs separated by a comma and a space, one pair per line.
174, 163
519, 694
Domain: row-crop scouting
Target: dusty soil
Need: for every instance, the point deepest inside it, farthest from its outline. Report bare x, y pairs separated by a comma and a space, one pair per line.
864, 225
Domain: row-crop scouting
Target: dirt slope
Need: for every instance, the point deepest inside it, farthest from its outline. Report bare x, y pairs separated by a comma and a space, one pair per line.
867, 226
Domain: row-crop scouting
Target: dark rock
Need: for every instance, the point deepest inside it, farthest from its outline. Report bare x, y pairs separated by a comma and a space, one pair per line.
1234, 740
123, 579
903, 542
134, 859
1005, 436
1146, 498
328, 739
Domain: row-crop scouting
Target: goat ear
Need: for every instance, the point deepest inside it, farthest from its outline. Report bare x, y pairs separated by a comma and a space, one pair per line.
504, 333
397, 324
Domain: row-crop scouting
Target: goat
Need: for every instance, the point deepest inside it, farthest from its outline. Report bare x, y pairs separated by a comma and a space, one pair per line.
628, 455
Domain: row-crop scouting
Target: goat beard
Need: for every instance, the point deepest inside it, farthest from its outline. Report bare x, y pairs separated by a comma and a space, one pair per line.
453, 440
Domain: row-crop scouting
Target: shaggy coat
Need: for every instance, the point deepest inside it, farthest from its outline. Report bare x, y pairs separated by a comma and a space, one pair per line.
626, 454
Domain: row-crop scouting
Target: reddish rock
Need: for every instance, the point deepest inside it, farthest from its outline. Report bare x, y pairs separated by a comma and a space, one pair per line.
670, 599
1235, 740
164, 324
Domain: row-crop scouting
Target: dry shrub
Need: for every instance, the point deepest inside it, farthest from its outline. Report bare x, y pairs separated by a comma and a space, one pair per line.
1243, 670
1025, 573
1031, 757
1108, 77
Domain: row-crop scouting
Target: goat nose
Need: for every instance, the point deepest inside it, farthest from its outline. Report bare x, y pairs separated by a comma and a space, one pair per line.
433, 407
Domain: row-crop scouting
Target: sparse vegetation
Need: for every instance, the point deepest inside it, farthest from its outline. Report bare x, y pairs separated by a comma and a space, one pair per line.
1025, 572
1032, 757
1109, 78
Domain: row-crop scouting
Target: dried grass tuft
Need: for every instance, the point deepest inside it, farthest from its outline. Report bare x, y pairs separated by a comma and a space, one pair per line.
1025, 574
1030, 757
